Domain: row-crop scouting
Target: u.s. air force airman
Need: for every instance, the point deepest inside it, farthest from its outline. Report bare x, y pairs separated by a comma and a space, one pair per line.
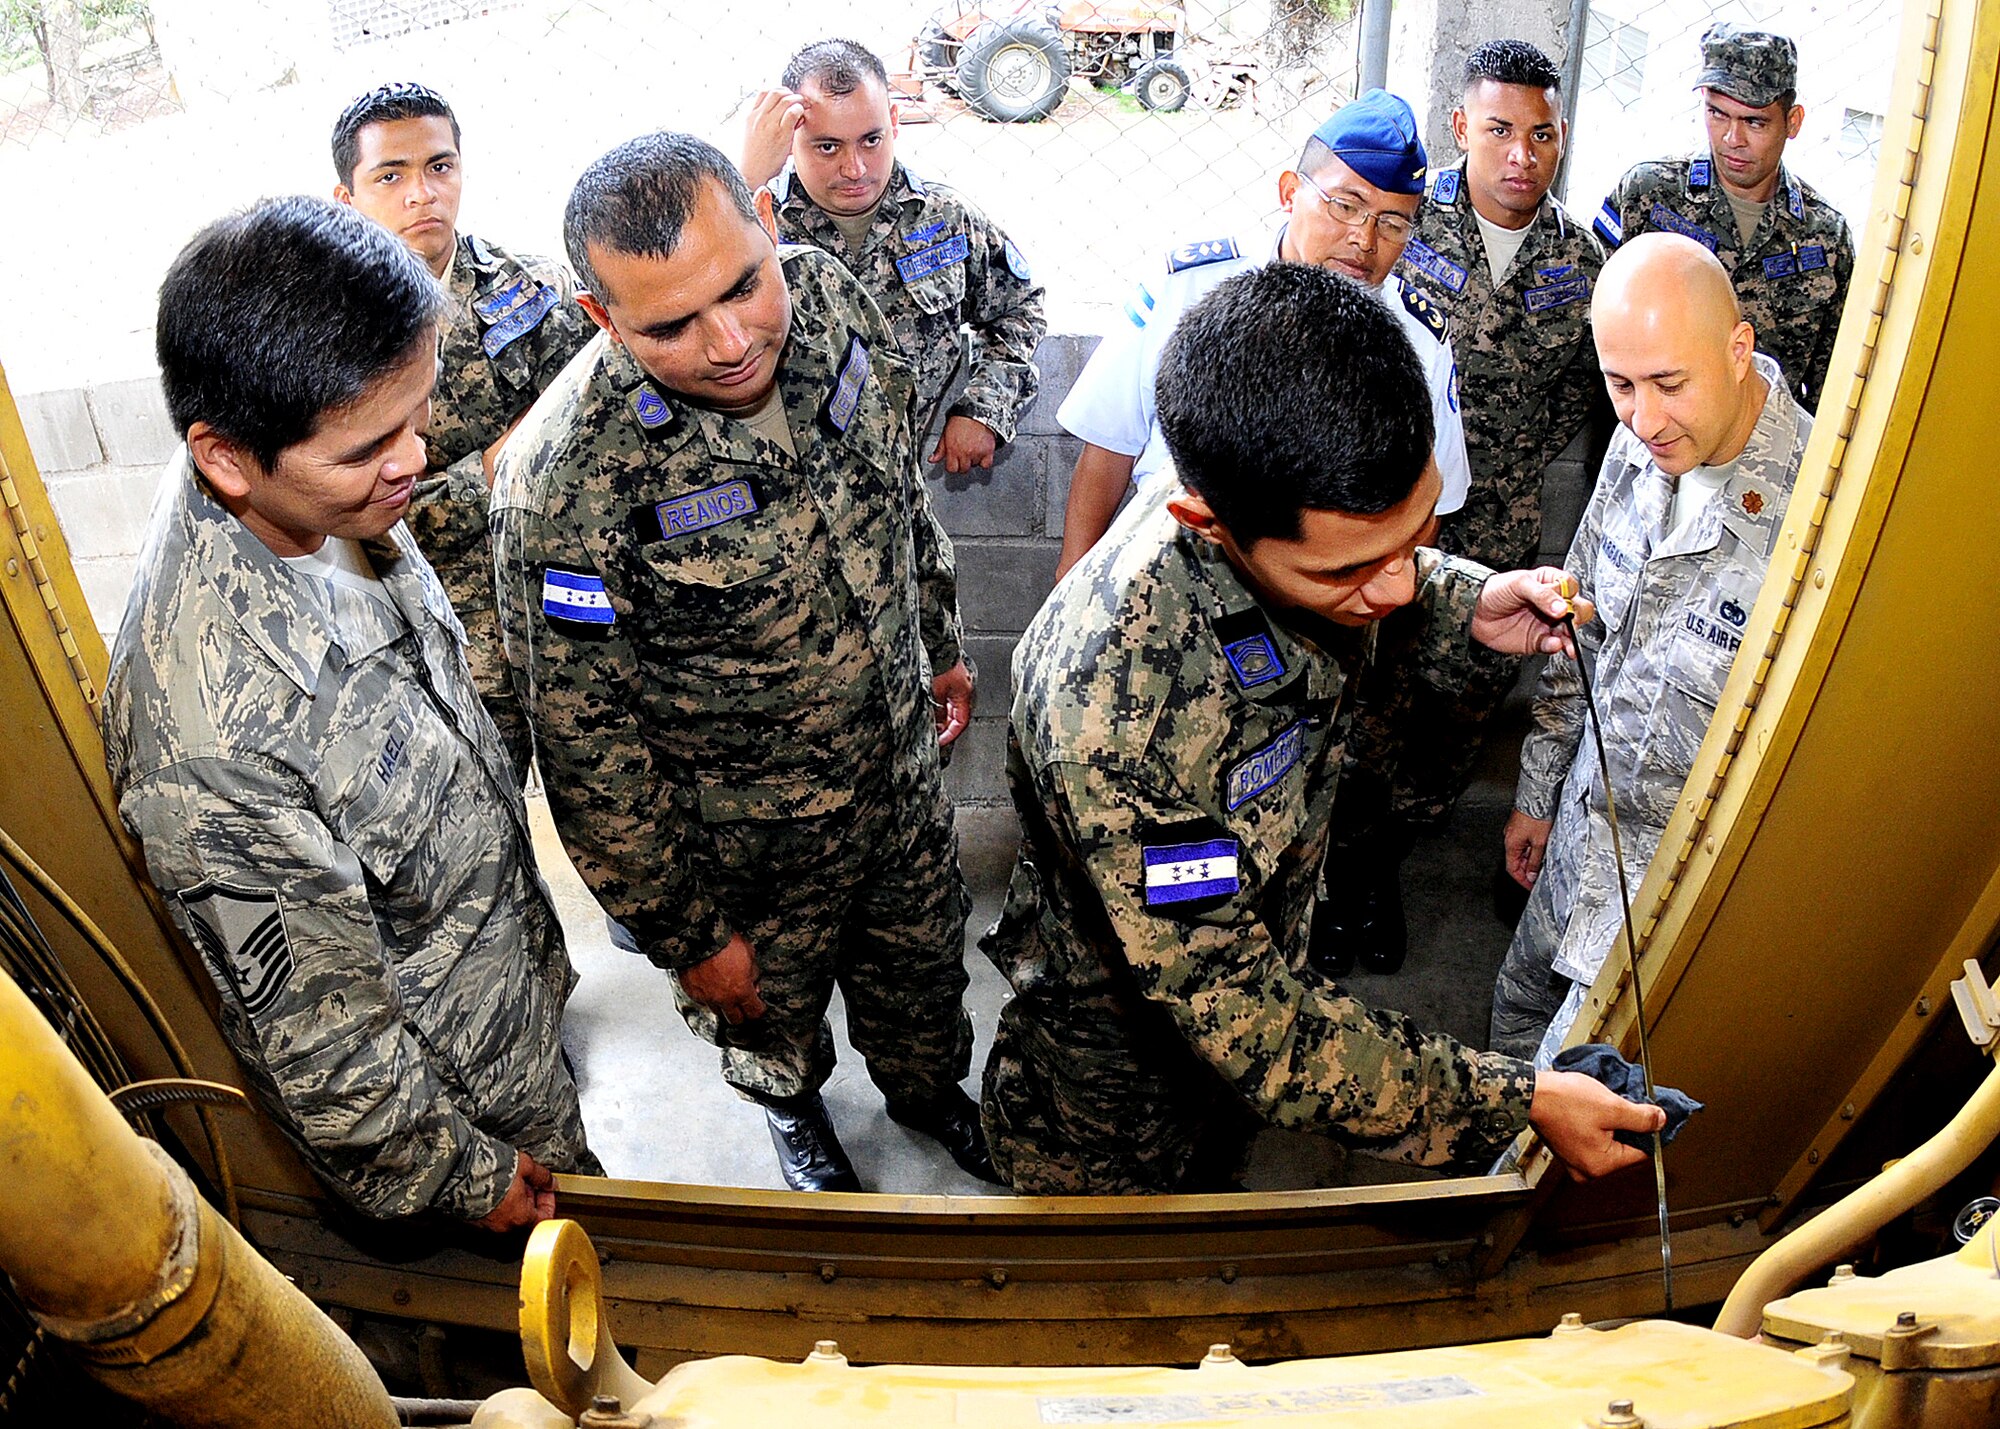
734, 620
1788, 251
1177, 733
940, 270
511, 326
1673, 548
297, 744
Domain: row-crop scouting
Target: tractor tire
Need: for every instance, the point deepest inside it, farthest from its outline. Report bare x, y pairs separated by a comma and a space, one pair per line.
1013, 72
937, 52
1163, 86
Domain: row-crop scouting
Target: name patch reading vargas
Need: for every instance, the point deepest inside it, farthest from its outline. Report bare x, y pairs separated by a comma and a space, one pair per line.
518, 323
921, 264
571, 595
1262, 768
1434, 265
701, 510
1251, 1403
846, 394
1182, 873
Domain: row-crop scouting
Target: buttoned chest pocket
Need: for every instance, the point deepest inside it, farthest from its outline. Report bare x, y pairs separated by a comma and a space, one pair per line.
1796, 281
1555, 308
1265, 793
934, 275
1620, 562
721, 570
1708, 633
391, 765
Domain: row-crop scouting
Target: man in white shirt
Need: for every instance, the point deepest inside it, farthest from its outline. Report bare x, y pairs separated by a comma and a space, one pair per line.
1351, 206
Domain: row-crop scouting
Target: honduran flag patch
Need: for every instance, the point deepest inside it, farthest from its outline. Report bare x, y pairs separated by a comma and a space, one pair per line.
571, 595
1184, 873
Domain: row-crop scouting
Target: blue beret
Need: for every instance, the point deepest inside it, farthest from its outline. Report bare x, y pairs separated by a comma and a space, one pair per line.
1376, 136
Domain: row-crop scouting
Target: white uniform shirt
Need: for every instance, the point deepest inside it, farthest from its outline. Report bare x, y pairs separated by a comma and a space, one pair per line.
1111, 405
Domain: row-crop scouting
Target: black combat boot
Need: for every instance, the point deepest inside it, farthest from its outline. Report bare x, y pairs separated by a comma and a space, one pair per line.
809, 1154
1360, 921
1386, 939
952, 1120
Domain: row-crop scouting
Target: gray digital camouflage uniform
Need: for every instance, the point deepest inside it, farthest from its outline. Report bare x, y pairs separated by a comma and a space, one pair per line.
1175, 751
1528, 382
339, 834
726, 654
936, 265
1790, 278
1670, 616
512, 326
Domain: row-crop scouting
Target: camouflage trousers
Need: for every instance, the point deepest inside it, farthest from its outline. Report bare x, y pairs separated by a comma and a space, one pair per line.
451, 531
1077, 1101
868, 899
1528, 989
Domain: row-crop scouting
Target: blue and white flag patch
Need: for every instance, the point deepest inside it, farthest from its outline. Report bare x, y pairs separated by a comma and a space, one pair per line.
571, 595
702, 510
1610, 227
1183, 873
845, 397
1263, 768
1139, 307
519, 323
915, 267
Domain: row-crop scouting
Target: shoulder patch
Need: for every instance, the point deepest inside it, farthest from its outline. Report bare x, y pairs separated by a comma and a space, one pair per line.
1445, 191
1424, 310
1139, 307
1797, 200
242, 932
1263, 767
1609, 225
845, 395
1192, 875
576, 601
1202, 253
1016, 264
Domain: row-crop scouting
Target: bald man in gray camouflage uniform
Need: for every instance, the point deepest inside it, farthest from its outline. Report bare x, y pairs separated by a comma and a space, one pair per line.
296, 742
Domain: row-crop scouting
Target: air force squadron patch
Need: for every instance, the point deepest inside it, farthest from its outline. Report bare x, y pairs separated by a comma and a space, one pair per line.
241, 931
845, 397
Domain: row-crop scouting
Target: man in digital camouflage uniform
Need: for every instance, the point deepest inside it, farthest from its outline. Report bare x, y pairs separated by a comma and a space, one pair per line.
733, 617
1672, 548
1787, 249
825, 142
1177, 733
1511, 269
511, 327
296, 742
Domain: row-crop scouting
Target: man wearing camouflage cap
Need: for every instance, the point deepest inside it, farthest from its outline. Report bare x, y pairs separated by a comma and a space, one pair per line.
1788, 251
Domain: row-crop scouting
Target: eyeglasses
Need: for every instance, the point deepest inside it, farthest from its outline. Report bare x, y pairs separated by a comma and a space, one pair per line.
1392, 226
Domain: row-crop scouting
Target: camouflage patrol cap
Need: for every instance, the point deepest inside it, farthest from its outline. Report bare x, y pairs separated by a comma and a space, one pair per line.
1753, 67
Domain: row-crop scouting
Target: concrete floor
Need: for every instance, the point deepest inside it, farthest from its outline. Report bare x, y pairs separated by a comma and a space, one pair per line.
657, 1109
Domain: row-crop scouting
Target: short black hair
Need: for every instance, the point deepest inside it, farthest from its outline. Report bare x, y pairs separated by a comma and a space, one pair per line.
837, 67
1293, 389
402, 99
637, 199
275, 316
1512, 62
1314, 157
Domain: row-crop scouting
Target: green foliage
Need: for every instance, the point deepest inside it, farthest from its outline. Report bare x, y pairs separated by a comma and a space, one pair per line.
20, 23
